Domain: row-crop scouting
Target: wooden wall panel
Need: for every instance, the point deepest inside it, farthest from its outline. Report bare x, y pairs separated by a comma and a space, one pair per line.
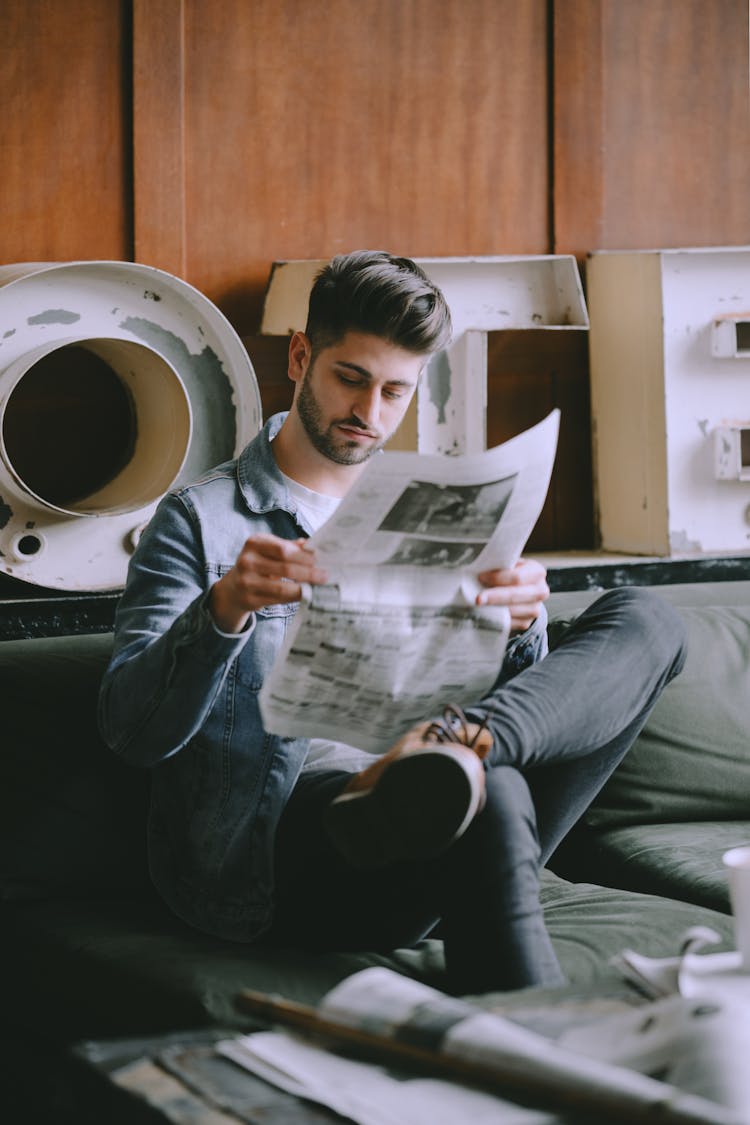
651, 124
65, 90
317, 127
531, 371
159, 134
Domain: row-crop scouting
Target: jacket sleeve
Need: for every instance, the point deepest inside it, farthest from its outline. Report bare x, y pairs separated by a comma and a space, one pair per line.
169, 659
525, 649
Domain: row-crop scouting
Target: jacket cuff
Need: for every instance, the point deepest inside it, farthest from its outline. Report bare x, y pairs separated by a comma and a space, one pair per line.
199, 631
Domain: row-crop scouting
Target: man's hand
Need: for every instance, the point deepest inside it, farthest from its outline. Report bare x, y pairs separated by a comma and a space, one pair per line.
523, 589
268, 570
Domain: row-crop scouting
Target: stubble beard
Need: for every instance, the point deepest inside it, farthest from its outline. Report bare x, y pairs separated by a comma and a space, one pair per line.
338, 450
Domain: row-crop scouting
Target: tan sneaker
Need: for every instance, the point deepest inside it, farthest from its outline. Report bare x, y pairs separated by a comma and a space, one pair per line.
416, 799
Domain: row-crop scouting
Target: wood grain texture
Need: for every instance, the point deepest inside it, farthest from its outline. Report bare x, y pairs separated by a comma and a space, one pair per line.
677, 98
269, 357
311, 128
651, 124
530, 372
159, 134
577, 127
65, 187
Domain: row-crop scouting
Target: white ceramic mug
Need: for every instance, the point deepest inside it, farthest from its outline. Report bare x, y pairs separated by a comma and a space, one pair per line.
737, 863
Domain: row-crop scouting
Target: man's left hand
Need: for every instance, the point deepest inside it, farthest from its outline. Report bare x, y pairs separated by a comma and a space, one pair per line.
523, 588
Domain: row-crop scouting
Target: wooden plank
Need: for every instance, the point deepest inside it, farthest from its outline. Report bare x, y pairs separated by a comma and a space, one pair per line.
415, 125
678, 123
651, 123
577, 127
26, 614
159, 134
529, 372
173, 1101
231, 1088
606, 572
65, 133
269, 357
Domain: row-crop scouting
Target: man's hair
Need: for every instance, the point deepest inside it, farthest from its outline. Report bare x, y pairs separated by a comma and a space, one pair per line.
373, 292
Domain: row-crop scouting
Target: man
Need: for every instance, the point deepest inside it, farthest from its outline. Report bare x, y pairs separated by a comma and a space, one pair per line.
296, 842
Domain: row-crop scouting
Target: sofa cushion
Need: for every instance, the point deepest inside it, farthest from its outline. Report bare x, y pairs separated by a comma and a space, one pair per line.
682, 861
590, 924
72, 817
692, 760
129, 967
122, 967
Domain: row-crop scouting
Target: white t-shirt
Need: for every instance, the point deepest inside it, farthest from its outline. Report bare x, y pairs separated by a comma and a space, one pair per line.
324, 754
316, 506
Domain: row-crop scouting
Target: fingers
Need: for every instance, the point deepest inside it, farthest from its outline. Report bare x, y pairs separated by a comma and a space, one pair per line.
267, 571
526, 581
523, 588
270, 570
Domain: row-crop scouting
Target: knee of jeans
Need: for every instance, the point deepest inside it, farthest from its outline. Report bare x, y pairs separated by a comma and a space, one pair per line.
509, 809
659, 622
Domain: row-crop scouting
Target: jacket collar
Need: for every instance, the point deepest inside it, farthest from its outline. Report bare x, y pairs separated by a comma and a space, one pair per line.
260, 481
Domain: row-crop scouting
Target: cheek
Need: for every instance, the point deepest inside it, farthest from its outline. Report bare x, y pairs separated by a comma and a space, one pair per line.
396, 410
341, 407
337, 402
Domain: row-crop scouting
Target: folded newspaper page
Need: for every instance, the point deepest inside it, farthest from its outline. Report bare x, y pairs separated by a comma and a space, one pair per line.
369, 1094
400, 1023
395, 633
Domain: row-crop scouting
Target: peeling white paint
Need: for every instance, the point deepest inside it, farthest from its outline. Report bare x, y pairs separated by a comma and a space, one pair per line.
670, 397
439, 385
681, 543
54, 316
119, 311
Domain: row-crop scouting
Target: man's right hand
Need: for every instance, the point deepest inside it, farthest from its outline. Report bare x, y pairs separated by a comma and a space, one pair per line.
268, 570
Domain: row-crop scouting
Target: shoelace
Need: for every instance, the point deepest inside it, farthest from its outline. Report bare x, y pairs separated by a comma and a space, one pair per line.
453, 726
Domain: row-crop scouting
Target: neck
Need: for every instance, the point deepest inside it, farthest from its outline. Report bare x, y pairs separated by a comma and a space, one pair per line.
300, 460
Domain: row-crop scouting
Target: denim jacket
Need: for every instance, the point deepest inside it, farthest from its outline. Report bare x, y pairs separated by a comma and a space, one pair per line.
182, 697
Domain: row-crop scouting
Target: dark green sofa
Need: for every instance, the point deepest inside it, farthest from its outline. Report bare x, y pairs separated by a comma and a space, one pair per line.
88, 950
681, 797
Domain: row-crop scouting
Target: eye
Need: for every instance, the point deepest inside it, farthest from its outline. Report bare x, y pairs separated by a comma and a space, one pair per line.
348, 381
393, 394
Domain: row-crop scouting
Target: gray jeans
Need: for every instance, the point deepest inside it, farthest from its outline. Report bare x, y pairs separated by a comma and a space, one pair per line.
560, 728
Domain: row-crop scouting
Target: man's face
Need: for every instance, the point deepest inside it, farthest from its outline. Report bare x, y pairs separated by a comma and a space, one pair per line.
351, 399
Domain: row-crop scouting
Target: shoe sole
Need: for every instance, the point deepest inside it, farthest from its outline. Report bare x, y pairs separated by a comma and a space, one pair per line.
420, 804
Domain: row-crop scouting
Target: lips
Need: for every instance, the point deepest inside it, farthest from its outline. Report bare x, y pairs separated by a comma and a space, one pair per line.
357, 433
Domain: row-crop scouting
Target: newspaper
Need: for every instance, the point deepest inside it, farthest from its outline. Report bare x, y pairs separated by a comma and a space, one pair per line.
368, 1094
396, 633
436, 1060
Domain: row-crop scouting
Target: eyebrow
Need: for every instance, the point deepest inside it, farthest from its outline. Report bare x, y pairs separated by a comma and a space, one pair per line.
368, 374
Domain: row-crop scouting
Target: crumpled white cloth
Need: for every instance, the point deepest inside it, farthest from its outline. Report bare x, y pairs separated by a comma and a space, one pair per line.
696, 1033
690, 973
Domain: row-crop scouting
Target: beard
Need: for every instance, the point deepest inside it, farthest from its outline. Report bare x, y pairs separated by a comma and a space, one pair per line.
324, 438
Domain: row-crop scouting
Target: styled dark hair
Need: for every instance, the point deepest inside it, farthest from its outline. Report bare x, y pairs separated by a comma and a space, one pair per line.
372, 291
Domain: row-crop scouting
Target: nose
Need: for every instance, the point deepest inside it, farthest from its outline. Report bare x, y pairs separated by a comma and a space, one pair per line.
366, 407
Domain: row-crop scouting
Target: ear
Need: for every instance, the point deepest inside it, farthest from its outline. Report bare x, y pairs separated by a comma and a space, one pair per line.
300, 351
